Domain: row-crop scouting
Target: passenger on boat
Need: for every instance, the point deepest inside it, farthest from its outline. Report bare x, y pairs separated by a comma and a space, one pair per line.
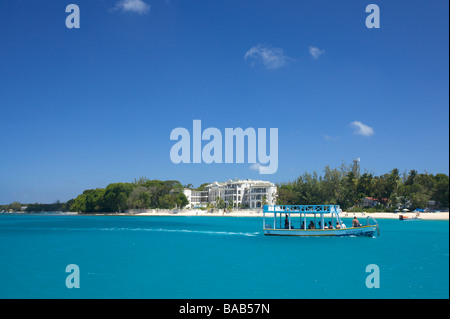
286, 222
311, 225
338, 226
303, 225
355, 222
330, 226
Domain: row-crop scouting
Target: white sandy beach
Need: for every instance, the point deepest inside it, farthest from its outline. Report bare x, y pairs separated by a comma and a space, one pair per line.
258, 213
428, 216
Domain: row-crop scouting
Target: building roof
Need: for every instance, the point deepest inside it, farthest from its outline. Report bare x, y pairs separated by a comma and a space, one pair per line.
252, 182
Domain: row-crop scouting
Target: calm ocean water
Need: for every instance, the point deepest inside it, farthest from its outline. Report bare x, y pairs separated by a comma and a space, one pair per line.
214, 257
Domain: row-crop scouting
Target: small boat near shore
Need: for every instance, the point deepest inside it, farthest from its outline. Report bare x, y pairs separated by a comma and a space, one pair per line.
296, 218
404, 217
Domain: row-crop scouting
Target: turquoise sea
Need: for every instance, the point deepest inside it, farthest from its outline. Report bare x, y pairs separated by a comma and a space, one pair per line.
214, 257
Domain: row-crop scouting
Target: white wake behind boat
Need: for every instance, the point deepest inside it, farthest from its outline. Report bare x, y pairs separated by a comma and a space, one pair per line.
292, 220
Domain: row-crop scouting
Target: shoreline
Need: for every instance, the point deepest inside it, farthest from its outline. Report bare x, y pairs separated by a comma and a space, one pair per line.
254, 213
250, 213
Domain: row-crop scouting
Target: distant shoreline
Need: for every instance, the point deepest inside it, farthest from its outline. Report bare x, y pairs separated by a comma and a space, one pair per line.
254, 213
248, 213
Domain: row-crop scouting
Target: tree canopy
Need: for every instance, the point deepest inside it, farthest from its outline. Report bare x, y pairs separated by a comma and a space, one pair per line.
141, 194
347, 187
344, 186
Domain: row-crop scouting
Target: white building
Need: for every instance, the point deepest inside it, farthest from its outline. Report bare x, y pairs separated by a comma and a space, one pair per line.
238, 193
196, 198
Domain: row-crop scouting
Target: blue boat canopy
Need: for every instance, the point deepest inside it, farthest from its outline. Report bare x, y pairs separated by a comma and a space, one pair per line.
308, 209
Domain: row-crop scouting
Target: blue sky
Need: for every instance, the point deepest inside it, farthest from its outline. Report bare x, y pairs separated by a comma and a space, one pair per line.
82, 108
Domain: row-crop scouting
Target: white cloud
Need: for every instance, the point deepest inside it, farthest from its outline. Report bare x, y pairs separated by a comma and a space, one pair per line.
135, 6
316, 52
270, 58
362, 129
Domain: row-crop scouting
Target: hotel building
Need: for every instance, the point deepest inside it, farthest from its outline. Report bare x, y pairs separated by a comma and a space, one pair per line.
246, 193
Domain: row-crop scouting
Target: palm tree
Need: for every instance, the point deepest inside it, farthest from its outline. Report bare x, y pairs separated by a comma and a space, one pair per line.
264, 200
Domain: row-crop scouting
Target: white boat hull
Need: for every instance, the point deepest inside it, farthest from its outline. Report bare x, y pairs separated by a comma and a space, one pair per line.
370, 230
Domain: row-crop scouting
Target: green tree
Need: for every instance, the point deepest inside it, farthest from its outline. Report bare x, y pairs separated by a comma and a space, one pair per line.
392, 183
90, 201
121, 201
230, 206
94, 200
264, 200
15, 206
220, 203
168, 201
419, 197
381, 188
364, 186
286, 195
411, 177
331, 186
139, 198
440, 191
79, 204
349, 189
181, 200
116, 195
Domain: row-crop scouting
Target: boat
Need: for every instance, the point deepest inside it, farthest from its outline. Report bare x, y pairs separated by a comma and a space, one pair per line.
292, 220
404, 217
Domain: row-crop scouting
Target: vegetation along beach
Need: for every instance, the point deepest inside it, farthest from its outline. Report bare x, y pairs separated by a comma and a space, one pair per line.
388, 195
